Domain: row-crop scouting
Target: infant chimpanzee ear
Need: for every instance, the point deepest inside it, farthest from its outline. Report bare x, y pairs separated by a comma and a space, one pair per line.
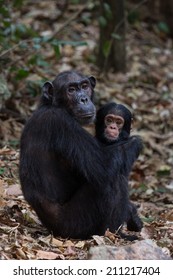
92, 81
48, 90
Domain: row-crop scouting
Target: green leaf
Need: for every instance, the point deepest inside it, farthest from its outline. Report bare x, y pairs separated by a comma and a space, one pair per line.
57, 43
148, 219
8, 30
18, 3
107, 10
116, 36
46, 39
22, 73
33, 60
33, 87
164, 170
7, 23
36, 46
37, 40
163, 27
161, 190
2, 170
102, 21
38, 60
23, 45
20, 30
14, 143
71, 43
133, 17
57, 51
106, 48
143, 187
41, 62
4, 10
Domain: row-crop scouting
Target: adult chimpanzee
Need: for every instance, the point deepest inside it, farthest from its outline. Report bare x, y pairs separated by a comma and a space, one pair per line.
66, 175
113, 125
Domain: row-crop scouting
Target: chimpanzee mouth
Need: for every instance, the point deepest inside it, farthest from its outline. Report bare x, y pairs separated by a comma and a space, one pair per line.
87, 116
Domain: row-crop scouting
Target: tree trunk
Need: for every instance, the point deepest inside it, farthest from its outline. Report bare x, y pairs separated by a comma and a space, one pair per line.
166, 9
112, 51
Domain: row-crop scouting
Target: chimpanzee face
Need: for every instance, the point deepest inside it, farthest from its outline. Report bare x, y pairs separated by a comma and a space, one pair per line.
74, 92
79, 93
113, 125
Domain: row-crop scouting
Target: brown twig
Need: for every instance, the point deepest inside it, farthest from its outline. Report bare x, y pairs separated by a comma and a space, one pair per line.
72, 18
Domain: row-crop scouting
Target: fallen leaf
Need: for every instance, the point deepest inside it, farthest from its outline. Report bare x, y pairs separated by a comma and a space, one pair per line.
68, 243
99, 239
170, 186
20, 253
14, 190
70, 251
80, 244
56, 242
43, 255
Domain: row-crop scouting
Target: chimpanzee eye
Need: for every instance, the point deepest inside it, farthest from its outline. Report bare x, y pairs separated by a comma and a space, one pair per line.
84, 86
108, 120
119, 123
71, 89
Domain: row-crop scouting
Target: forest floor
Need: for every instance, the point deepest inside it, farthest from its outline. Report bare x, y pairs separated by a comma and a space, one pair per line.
146, 87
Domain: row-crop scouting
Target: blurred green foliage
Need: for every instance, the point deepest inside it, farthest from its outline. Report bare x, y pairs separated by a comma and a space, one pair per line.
25, 42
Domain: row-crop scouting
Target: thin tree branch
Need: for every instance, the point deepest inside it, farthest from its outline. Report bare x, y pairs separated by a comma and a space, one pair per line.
118, 26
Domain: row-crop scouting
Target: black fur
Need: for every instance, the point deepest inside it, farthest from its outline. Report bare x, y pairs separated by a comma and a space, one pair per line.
126, 148
66, 175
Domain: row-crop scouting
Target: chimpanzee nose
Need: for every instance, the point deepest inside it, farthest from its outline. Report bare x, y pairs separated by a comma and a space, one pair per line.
84, 100
113, 126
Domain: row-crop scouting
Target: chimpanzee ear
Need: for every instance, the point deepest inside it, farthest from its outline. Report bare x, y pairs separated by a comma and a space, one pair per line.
47, 90
92, 81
